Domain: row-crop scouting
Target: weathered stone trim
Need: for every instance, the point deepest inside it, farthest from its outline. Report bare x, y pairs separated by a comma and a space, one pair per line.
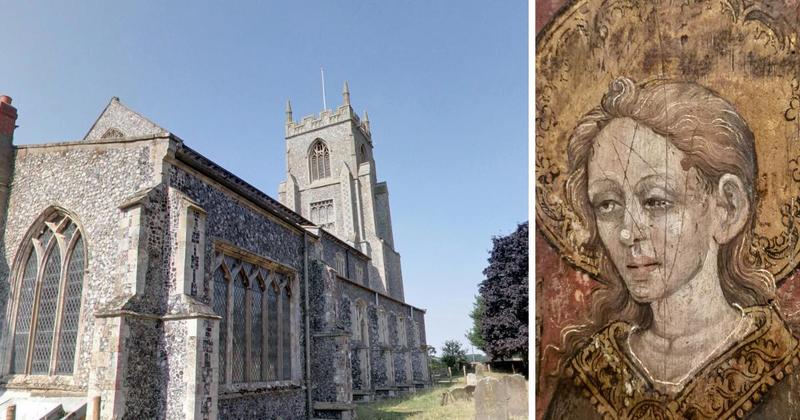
350, 250
177, 317
320, 183
331, 334
92, 143
124, 312
238, 390
64, 383
381, 294
190, 268
227, 248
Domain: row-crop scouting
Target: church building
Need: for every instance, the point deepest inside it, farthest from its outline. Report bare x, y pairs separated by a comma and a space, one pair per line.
139, 279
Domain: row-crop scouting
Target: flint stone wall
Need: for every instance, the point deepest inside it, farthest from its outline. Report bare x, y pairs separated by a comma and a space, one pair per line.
231, 221
284, 404
91, 181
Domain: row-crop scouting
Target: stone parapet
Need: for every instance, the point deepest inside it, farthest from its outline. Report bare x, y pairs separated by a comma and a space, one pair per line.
326, 118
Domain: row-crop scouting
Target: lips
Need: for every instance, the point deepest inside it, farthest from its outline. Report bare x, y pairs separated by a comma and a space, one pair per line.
642, 265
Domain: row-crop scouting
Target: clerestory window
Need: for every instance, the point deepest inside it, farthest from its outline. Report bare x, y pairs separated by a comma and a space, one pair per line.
319, 161
360, 275
383, 327
255, 336
49, 286
401, 331
341, 264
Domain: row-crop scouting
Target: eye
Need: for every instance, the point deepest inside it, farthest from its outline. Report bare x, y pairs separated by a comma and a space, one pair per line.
606, 206
655, 203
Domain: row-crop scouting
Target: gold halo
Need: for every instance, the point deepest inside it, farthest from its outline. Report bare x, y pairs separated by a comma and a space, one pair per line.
746, 51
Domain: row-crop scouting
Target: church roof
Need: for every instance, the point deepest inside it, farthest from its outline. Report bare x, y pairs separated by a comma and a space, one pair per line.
228, 179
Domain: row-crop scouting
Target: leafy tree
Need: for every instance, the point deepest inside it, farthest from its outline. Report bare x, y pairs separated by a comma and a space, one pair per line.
453, 354
504, 326
474, 335
431, 351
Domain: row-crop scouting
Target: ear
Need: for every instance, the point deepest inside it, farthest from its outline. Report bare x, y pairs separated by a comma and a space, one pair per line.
733, 206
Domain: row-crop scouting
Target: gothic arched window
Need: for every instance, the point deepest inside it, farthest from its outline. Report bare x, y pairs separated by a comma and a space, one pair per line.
319, 161
48, 305
112, 133
255, 332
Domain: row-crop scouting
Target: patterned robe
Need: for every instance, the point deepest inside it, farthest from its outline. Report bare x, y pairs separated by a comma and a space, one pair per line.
756, 378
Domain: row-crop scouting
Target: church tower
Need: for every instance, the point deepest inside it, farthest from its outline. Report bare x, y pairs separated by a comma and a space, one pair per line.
331, 180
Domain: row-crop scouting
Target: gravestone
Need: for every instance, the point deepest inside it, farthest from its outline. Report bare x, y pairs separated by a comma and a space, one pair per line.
491, 398
517, 389
457, 394
480, 369
472, 379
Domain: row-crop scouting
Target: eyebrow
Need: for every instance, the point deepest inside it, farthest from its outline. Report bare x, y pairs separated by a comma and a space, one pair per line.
656, 181
604, 184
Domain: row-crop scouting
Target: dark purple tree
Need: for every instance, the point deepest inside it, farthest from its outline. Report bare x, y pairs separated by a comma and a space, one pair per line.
505, 295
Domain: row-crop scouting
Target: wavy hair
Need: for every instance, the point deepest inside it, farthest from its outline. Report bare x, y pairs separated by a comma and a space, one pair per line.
716, 141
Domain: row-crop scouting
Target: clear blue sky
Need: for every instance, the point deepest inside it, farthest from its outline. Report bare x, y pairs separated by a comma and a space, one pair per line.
445, 85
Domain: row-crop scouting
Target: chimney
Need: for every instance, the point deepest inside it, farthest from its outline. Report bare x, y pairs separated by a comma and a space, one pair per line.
8, 117
8, 122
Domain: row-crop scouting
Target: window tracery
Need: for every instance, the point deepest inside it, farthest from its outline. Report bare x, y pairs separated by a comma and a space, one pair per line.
256, 306
322, 214
319, 161
112, 133
50, 284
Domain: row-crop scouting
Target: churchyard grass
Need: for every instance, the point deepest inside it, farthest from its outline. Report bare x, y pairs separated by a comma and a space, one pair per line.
423, 405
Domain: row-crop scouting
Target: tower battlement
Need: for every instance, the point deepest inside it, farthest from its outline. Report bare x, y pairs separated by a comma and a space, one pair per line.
327, 117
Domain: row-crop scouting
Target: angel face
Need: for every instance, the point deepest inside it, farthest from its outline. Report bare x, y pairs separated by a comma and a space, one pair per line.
652, 215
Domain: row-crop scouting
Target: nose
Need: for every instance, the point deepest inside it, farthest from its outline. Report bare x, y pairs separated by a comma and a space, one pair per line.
631, 230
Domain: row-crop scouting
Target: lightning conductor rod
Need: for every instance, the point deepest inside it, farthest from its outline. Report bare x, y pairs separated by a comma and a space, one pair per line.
324, 103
